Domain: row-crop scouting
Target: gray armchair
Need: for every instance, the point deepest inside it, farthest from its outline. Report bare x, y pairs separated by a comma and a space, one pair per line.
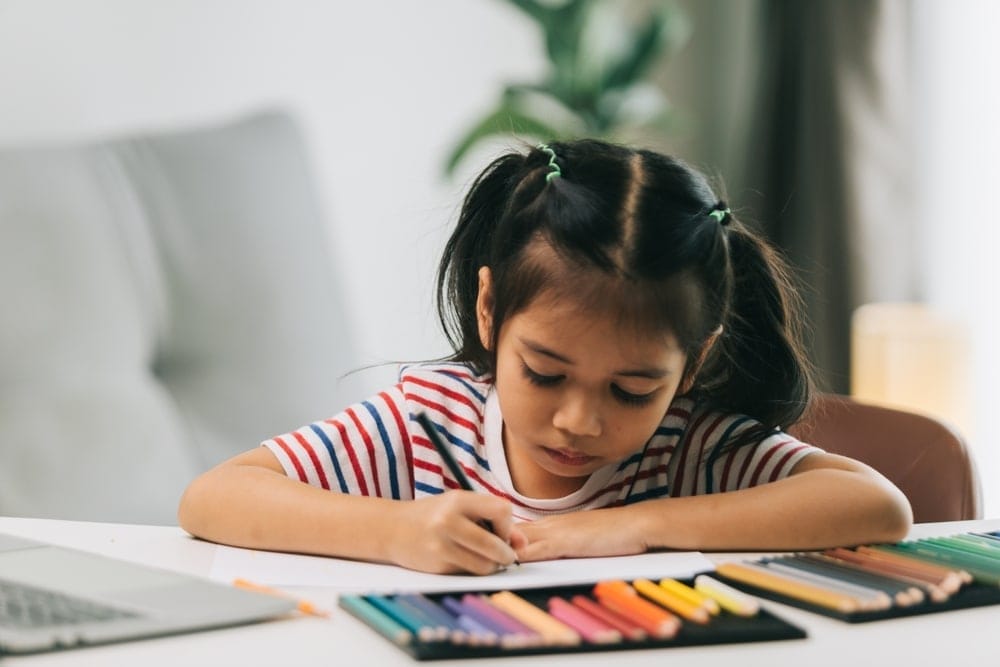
167, 301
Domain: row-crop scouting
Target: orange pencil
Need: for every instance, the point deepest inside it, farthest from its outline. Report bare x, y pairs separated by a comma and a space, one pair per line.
622, 598
674, 603
302, 605
762, 577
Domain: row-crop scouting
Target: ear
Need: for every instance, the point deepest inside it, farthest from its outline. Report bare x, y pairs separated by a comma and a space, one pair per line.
484, 307
692, 371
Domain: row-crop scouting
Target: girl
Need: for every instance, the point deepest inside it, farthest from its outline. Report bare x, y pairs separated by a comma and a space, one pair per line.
626, 359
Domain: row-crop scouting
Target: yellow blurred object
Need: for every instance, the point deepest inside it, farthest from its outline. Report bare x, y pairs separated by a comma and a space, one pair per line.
910, 356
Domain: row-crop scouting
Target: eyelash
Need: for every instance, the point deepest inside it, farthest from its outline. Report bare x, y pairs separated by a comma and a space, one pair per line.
628, 398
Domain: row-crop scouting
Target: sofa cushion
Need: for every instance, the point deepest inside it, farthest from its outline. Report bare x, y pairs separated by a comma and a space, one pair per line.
168, 301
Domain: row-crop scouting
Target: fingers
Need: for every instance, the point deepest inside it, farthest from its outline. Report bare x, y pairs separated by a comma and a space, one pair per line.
458, 535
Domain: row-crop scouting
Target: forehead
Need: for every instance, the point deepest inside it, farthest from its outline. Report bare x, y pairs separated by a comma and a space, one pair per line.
560, 323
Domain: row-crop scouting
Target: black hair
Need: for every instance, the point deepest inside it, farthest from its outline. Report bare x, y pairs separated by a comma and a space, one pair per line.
646, 230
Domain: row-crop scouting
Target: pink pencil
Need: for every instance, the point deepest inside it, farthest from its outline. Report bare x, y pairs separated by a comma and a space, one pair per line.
589, 627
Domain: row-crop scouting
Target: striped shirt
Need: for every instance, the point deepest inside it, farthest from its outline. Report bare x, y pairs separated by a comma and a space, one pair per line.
377, 448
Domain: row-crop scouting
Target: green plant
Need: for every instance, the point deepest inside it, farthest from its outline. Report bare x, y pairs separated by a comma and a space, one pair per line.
599, 54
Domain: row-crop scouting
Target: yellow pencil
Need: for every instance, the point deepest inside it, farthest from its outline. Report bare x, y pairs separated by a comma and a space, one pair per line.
762, 577
674, 603
553, 631
691, 595
730, 599
302, 605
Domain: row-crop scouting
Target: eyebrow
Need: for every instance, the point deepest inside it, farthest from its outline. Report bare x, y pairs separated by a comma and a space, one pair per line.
652, 373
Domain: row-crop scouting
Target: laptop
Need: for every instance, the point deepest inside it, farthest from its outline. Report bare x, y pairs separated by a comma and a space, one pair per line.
54, 597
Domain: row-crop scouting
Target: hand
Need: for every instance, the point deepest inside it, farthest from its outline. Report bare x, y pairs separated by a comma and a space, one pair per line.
444, 534
587, 534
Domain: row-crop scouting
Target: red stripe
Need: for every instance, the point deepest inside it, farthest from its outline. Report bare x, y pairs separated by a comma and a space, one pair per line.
359, 475
370, 446
677, 490
450, 416
763, 463
471, 473
784, 459
312, 457
450, 393
294, 459
401, 427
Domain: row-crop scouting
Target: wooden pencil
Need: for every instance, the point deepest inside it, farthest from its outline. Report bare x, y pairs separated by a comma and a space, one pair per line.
759, 576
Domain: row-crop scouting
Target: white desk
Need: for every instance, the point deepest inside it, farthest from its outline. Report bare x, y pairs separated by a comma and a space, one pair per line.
953, 638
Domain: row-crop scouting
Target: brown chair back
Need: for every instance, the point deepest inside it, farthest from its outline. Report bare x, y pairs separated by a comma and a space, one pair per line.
923, 456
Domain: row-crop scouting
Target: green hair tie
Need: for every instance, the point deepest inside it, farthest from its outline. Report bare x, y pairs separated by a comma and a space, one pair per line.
719, 214
554, 170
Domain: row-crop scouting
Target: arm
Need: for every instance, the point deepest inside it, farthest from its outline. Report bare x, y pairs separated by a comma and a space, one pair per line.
826, 501
248, 501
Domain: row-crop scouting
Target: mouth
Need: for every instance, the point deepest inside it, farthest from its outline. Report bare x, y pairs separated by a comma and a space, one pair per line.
569, 458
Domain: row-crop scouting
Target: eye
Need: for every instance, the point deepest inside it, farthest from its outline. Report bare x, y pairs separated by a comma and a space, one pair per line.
538, 378
628, 398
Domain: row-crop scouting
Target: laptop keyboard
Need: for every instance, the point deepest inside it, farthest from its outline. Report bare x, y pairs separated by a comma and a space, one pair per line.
23, 606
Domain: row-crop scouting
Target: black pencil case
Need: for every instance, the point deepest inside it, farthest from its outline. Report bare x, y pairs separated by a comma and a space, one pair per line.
726, 628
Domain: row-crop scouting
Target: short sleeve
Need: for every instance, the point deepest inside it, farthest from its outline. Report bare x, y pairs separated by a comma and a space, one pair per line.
365, 450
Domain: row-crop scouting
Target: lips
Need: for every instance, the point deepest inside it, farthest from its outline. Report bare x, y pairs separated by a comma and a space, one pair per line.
569, 458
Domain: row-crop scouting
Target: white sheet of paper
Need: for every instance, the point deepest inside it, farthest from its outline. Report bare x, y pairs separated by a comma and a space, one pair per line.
346, 576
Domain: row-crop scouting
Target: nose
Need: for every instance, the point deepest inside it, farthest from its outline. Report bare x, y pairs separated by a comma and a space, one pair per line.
578, 415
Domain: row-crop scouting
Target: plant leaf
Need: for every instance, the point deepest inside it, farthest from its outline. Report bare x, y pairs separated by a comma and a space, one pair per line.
507, 120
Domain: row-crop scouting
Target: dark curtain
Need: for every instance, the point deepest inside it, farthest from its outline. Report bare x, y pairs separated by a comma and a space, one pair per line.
828, 158
801, 107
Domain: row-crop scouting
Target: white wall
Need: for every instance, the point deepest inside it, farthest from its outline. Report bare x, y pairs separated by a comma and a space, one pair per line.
383, 89
957, 58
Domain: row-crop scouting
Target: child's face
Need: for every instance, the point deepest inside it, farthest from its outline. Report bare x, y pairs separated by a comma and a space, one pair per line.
577, 391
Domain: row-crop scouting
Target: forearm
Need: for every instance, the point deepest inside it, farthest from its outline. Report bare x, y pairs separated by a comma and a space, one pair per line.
815, 509
254, 507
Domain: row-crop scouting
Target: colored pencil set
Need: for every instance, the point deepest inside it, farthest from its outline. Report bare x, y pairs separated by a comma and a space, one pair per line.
882, 580
606, 615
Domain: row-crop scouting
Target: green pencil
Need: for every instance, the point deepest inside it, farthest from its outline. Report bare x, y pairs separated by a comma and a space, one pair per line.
371, 616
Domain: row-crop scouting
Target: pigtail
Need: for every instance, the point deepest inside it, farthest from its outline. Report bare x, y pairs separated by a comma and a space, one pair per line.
469, 248
758, 365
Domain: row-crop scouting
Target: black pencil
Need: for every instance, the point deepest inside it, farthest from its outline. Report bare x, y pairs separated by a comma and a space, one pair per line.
449, 460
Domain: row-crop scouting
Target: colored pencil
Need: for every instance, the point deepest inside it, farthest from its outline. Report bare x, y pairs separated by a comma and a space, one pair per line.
984, 570
896, 570
440, 629
375, 619
590, 627
438, 614
665, 598
404, 617
690, 594
500, 618
303, 606
730, 599
553, 631
504, 636
622, 598
869, 599
903, 593
760, 577
949, 579
623, 624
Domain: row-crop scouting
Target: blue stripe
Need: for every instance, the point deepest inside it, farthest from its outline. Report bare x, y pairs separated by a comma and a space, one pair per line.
387, 446
427, 488
649, 494
465, 383
333, 457
716, 452
458, 442
669, 430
